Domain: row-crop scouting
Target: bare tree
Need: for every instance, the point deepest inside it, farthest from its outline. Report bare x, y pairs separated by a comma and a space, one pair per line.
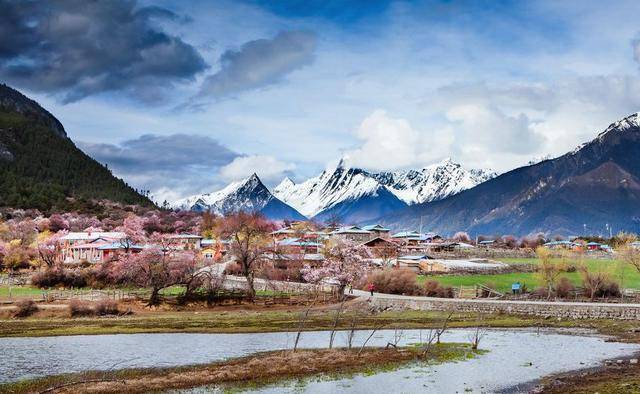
335, 323
352, 329
375, 329
303, 319
593, 281
478, 332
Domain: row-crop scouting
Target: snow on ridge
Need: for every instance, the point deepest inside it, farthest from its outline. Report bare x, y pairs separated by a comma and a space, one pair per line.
246, 194
341, 183
627, 122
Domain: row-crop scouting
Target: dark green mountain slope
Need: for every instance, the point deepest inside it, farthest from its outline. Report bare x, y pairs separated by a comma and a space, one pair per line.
40, 167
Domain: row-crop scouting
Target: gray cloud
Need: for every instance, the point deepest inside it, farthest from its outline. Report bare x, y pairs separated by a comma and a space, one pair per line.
259, 63
77, 48
170, 166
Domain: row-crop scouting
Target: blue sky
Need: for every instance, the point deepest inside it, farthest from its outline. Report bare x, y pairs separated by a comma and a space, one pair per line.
184, 97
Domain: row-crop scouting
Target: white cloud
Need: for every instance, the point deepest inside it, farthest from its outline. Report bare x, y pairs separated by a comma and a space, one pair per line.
392, 143
268, 168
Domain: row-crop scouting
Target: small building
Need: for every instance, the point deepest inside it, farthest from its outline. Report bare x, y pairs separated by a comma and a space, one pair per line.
77, 247
444, 246
461, 266
88, 236
561, 245
297, 245
377, 230
97, 251
412, 262
415, 238
282, 233
213, 250
352, 233
383, 247
489, 243
185, 241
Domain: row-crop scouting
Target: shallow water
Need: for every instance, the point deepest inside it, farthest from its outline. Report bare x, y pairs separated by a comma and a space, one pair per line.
514, 357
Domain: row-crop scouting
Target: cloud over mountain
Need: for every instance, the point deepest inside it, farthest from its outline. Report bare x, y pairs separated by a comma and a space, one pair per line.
170, 166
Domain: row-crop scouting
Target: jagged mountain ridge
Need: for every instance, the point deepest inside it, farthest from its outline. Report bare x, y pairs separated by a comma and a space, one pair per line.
593, 186
248, 195
335, 189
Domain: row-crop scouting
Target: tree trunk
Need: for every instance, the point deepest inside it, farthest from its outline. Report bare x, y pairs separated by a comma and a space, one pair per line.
251, 291
155, 297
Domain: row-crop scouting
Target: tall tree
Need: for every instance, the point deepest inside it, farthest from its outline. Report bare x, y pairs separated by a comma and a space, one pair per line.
249, 241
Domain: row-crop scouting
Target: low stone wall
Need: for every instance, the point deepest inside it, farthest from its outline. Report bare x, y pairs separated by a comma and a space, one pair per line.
570, 310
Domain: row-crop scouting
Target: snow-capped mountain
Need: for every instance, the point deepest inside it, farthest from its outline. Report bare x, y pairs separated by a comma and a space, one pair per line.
594, 187
432, 183
248, 195
355, 194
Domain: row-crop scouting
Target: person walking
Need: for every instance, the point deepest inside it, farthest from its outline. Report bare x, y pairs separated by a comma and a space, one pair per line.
371, 288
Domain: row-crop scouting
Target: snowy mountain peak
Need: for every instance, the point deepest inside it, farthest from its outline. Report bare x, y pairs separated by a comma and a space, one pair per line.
247, 195
343, 184
433, 182
628, 122
286, 183
625, 123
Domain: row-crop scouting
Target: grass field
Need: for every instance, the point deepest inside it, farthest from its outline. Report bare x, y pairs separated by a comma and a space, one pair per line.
34, 292
627, 275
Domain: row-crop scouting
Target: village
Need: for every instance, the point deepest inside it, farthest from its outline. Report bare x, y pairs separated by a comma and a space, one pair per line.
454, 266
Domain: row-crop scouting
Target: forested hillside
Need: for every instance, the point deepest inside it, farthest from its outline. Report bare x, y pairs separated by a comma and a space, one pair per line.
40, 167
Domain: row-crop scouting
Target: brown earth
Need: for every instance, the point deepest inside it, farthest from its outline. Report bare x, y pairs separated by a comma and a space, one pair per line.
260, 368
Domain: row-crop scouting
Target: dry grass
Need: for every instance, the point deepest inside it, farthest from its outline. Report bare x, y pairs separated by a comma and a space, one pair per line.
259, 368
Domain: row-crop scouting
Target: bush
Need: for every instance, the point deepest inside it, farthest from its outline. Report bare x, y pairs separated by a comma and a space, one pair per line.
610, 289
54, 277
80, 308
106, 307
433, 288
233, 269
26, 308
599, 284
564, 287
291, 273
393, 281
540, 292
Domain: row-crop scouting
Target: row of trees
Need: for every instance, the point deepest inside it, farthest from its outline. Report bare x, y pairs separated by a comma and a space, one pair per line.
595, 282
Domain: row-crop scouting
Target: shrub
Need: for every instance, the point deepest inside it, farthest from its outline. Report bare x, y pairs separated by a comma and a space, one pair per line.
394, 281
541, 292
26, 308
433, 288
80, 308
599, 284
564, 287
233, 269
610, 289
106, 307
54, 277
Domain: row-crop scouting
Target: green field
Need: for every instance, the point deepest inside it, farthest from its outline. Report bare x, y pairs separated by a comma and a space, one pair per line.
627, 275
33, 292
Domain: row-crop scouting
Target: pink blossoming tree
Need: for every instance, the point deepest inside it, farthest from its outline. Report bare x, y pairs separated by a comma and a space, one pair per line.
156, 268
133, 229
344, 263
